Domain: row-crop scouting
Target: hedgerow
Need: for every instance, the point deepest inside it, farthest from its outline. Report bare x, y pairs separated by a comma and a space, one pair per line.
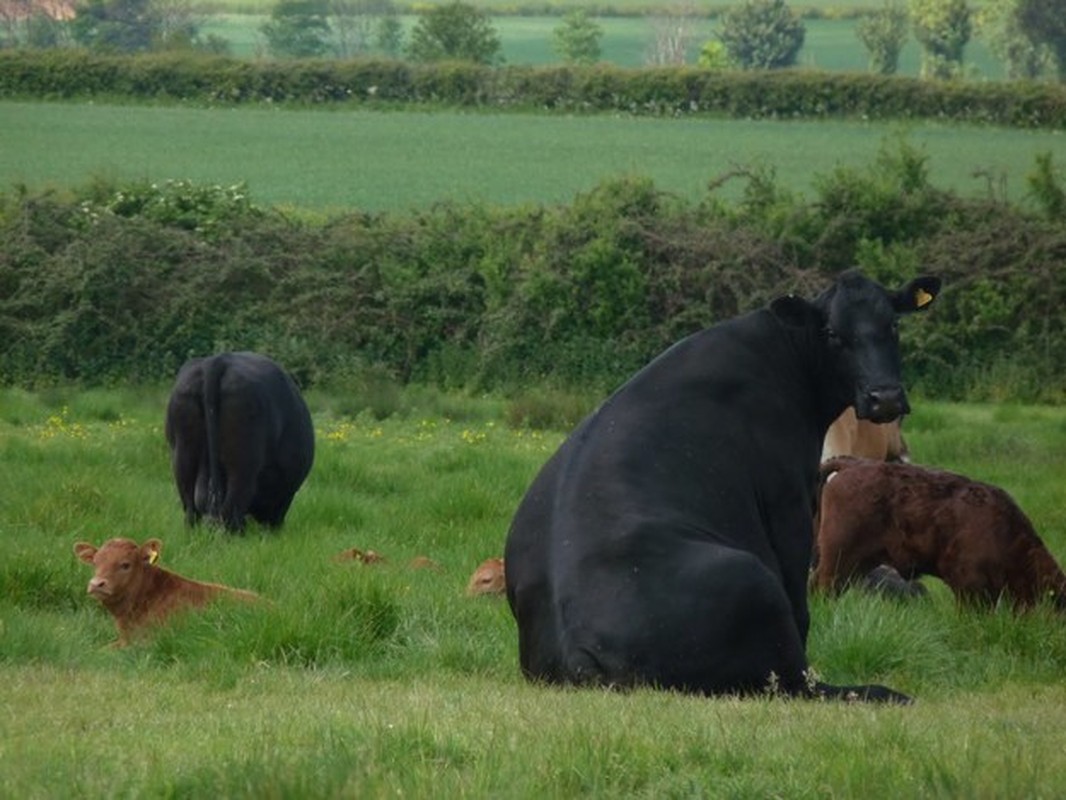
112, 283
671, 91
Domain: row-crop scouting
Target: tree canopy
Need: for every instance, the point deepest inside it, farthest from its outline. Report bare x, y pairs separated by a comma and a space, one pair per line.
762, 34
458, 31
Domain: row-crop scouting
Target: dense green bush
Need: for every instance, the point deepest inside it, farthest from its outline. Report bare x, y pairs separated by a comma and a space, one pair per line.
52, 74
117, 283
454, 31
762, 34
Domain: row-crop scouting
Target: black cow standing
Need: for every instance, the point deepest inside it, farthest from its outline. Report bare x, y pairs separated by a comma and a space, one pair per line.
667, 542
241, 439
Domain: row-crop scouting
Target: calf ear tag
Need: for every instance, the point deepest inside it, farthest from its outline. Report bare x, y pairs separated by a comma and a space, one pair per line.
922, 298
153, 557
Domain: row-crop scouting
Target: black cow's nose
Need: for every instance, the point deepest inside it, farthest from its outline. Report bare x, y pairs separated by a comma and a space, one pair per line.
884, 405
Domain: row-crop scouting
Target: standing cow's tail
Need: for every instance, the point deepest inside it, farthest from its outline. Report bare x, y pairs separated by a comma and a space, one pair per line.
216, 491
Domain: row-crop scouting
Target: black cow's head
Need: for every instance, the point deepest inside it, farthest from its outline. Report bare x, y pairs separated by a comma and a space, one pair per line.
857, 319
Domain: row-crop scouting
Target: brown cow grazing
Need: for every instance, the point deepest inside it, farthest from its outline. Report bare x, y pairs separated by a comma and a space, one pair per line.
488, 578
971, 535
851, 436
139, 593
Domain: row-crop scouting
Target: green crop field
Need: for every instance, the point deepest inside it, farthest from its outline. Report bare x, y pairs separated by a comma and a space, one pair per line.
829, 43
335, 159
384, 680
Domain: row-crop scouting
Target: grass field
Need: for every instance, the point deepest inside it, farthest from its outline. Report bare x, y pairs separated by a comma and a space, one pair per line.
829, 43
371, 681
342, 159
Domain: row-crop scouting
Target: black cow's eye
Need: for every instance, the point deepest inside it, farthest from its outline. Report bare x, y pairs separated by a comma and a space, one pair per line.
833, 337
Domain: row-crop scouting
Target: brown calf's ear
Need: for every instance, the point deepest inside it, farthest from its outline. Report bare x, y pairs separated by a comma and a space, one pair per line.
917, 295
150, 550
85, 551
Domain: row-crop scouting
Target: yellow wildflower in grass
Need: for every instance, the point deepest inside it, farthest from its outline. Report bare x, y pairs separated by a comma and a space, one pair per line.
60, 426
346, 430
340, 432
473, 437
426, 430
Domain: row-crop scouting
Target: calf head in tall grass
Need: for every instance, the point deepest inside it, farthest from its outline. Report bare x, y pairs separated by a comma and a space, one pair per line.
137, 592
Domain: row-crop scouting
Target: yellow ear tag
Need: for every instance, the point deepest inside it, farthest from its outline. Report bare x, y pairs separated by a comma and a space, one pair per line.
922, 298
153, 557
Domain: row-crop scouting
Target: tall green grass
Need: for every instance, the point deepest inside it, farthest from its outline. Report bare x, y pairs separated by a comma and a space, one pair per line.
330, 160
367, 681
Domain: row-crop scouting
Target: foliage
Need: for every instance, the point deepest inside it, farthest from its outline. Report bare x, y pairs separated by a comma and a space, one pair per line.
116, 26
713, 55
883, 33
212, 211
1021, 55
298, 29
1044, 22
362, 26
577, 38
454, 31
1046, 188
943, 29
44, 31
390, 35
129, 26
762, 34
666, 91
672, 36
125, 282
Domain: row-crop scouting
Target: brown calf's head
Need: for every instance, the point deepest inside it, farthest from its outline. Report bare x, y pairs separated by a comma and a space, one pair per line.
120, 565
488, 578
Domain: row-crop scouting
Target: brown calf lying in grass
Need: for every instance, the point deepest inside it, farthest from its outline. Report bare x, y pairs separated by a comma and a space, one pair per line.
138, 592
488, 578
362, 556
971, 535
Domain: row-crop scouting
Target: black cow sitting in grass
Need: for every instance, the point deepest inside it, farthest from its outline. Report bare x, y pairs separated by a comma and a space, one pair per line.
667, 542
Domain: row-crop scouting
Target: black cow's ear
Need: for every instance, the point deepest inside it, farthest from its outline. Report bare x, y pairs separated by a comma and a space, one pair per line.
917, 295
796, 311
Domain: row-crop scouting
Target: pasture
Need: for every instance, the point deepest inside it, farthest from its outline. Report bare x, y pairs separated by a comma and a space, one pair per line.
375, 680
343, 159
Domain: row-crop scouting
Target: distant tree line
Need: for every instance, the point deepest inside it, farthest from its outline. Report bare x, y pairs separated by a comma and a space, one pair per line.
1029, 36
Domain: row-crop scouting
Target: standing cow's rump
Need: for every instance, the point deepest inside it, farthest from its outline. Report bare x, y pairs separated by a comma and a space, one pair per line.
970, 534
667, 542
241, 439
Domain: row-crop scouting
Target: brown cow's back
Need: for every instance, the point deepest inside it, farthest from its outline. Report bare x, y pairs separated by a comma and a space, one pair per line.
970, 534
